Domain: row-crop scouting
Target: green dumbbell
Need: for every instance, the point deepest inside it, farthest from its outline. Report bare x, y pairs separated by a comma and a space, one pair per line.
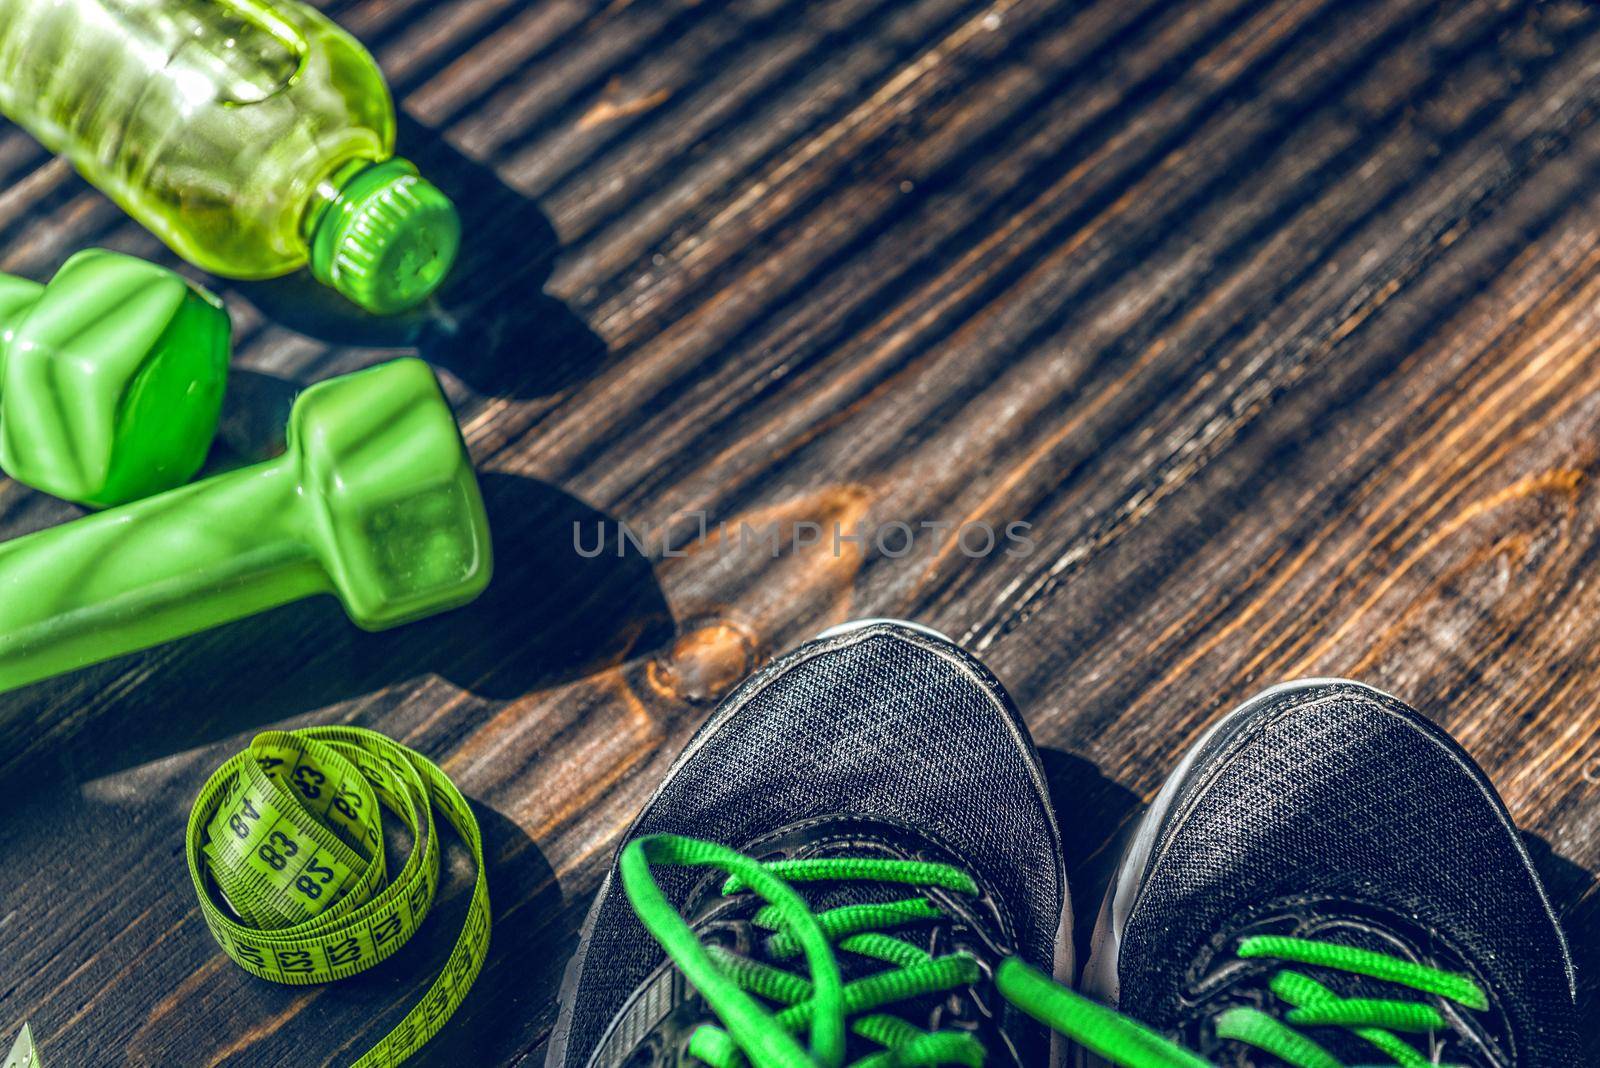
375, 500
111, 378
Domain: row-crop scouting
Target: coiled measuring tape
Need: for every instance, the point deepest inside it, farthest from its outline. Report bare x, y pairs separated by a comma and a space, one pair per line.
285, 846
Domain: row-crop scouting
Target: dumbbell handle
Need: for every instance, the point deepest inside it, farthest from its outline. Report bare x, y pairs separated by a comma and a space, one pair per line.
156, 569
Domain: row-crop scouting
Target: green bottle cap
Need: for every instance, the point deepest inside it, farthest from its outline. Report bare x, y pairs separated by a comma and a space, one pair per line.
388, 240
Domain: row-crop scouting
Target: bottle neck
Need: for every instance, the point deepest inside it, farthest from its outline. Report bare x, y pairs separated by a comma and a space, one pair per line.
326, 194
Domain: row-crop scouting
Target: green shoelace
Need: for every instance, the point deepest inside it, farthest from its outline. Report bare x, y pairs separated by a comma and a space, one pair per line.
826, 1009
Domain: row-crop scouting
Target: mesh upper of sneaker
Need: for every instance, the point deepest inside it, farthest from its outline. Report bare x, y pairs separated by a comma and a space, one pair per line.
880, 724
664, 1011
1337, 799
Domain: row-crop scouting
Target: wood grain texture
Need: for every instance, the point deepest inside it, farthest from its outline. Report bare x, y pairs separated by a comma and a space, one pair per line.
1279, 322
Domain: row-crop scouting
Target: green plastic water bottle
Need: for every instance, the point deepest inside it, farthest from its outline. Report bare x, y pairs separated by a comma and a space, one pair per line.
252, 137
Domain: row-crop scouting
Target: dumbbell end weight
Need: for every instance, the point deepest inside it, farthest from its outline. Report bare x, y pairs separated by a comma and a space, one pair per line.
17, 295
375, 501
111, 378
400, 520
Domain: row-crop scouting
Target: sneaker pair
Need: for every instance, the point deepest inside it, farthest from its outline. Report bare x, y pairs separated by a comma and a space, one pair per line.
856, 861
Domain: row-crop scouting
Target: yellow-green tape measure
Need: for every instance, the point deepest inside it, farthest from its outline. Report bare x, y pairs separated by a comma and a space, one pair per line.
285, 846
23, 1054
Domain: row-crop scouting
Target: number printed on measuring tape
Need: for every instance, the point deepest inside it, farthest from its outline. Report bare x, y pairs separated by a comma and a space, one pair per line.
285, 847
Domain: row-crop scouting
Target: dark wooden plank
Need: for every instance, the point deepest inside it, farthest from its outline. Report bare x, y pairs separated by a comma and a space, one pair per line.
1275, 320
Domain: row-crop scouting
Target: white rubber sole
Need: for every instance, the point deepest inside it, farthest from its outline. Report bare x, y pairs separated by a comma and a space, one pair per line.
872, 621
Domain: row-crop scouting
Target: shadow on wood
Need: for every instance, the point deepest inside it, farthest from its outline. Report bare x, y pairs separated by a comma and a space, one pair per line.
1575, 895
1095, 814
491, 324
548, 616
523, 896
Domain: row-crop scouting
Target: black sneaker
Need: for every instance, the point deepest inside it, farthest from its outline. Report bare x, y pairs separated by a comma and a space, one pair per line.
1328, 879
837, 865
